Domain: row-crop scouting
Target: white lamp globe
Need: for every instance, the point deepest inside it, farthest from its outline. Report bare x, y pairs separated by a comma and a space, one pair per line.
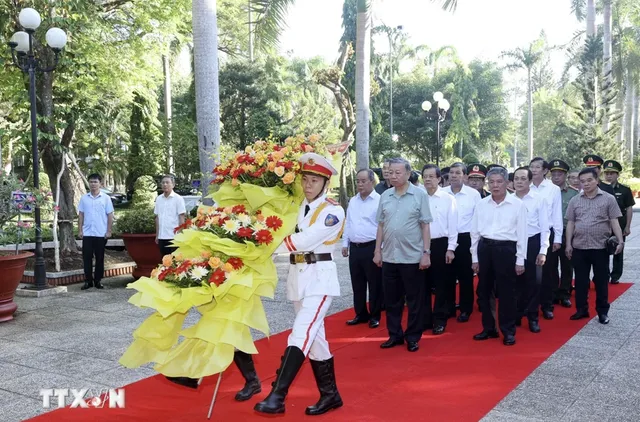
426, 106
438, 96
21, 38
56, 38
29, 19
444, 104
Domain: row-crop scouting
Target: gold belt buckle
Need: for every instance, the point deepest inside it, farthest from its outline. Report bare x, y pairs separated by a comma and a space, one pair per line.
299, 258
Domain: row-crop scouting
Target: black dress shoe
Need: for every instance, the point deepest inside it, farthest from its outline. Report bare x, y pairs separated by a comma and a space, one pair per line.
391, 343
579, 315
412, 346
486, 335
374, 323
87, 285
615, 281
184, 381
357, 321
463, 317
519, 322
565, 303
98, 285
603, 319
509, 340
547, 314
438, 329
428, 326
534, 327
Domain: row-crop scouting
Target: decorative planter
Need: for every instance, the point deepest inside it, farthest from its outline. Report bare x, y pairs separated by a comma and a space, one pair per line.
143, 250
11, 267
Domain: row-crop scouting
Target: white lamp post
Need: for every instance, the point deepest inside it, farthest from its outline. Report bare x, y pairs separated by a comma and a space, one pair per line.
442, 108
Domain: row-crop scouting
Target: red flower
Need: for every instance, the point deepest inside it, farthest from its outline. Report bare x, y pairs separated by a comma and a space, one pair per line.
288, 165
236, 263
200, 223
259, 172
217, 277
237, 173
239, 209
245, 232
222, 221
219, 209
164, 274
264, 237
273, 222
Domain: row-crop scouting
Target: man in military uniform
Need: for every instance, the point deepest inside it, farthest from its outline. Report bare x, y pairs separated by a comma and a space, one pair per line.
312, 284
596, 162
476, 173
624, 198
384, 183
562, 282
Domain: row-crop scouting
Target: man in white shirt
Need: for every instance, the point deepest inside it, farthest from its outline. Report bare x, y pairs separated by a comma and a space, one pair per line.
170, 213
95, 218
359, 243
444, 240
466, 200
544, 187
538, 243
499, 249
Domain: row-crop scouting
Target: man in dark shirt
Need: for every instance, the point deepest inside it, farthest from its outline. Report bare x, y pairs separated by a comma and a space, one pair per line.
384, 184
624, 198
476, 174
596, 162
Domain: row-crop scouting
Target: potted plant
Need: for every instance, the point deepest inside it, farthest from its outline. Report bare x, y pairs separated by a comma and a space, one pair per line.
14, 200
138, 230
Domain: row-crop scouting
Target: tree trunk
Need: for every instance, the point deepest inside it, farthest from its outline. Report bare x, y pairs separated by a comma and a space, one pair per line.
635, 119
205, 50
168, 114
591, 18
607, 76
530, 115
363, 83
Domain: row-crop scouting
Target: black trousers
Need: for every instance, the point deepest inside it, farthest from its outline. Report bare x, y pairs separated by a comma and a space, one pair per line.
549, 284
93, 246
583, 260
438, 275
562, 282
165, 249
402, 281
616, 272
497, 261
461, 271
528, 288
365, 273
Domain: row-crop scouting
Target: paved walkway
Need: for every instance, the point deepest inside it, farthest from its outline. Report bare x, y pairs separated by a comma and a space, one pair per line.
75, 340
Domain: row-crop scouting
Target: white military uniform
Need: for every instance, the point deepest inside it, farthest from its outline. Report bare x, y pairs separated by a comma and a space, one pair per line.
312, 287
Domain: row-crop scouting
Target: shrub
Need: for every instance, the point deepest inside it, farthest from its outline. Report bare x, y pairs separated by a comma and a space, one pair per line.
140, 219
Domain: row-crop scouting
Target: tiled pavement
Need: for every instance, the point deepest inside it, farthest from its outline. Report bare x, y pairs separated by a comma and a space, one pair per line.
75, 340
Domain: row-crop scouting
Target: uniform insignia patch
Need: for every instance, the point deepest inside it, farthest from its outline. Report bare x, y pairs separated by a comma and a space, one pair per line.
331, 220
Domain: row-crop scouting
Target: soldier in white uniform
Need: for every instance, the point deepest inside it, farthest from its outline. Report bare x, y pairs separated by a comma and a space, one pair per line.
311, 285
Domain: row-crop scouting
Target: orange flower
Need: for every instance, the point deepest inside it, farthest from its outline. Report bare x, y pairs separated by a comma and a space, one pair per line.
167, 260
214, 262
206, 254
235, 182
215, 219
260, 218
227, 267
155, 272
228, 210
313, 139
271, 166
279, 171
289, 178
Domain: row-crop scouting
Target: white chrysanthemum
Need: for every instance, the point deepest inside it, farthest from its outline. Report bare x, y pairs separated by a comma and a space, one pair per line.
231, 226
182, 275
244, 219
257, 226
198, 273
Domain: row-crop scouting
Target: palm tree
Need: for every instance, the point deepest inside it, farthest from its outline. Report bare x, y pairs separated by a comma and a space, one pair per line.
449, 5
526, 59
607, 76
363, 82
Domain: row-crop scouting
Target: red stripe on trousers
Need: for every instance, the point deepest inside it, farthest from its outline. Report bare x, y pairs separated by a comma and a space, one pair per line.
306, 340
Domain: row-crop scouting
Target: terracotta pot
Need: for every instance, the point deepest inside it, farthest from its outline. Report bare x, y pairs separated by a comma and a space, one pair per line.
143, 250
12, 270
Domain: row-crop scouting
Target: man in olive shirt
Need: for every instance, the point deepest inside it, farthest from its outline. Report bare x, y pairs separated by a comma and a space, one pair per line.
562, 281
403, 251
384, 184
591, 217
624, 198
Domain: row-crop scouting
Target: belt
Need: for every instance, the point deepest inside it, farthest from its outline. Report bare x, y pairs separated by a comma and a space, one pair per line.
309, 258
491, 242
362, 245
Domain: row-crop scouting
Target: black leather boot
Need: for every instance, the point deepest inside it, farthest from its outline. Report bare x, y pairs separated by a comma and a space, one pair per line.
291, 362
184, 381
244, 362
325, 376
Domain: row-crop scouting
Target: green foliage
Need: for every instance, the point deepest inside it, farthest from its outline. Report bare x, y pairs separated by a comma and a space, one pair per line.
145, 192
136, 221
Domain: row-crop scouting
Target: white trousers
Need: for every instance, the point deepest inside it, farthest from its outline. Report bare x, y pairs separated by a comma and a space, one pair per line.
308, 328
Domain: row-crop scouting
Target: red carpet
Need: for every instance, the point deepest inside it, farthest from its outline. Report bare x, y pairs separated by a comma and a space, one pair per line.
451, 378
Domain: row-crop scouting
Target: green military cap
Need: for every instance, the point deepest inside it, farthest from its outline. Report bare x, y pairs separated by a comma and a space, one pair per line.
559, 165
592, 160
477, 170
612, 165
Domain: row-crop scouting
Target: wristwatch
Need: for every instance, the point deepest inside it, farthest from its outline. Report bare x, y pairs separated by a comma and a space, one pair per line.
426, 252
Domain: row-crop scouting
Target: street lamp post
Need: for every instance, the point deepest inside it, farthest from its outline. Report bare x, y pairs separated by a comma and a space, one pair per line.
441, 109
22, 52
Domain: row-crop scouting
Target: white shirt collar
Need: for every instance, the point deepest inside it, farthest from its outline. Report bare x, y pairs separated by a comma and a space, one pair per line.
439, 192
372, 195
